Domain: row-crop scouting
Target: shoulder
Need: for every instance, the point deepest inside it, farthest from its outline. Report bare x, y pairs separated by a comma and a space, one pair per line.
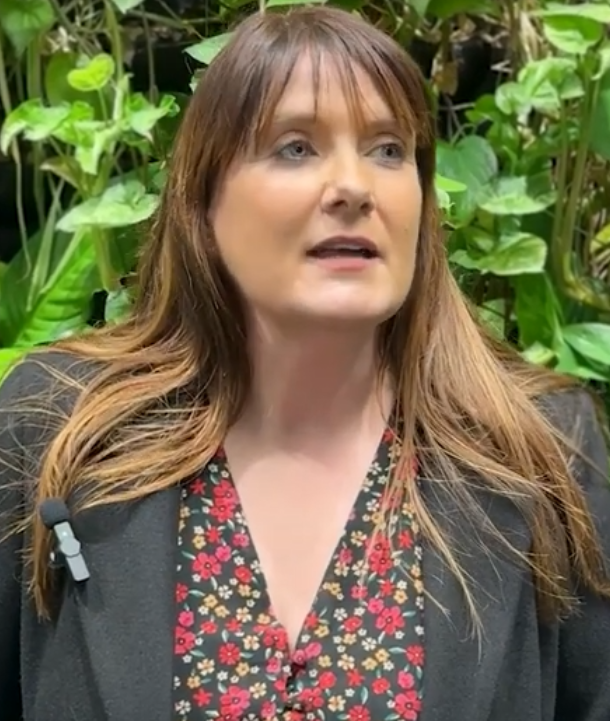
41, 370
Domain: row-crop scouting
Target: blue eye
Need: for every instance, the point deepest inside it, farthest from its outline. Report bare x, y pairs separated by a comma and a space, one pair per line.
390, 152
295, 150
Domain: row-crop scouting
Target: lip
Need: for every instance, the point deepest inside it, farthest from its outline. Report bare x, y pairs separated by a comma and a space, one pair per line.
358, 240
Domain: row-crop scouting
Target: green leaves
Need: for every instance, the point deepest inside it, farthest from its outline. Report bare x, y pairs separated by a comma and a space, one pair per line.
472, 163
513, 254
519, 195
62, 304
575, 29
24, 20
205, 51
126, 5
591, 340
122, 204
92, 74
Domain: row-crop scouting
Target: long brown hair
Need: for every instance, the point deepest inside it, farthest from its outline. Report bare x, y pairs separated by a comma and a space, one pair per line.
173, 378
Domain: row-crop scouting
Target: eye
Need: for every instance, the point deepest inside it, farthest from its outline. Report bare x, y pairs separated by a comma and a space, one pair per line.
390, 152
295, 150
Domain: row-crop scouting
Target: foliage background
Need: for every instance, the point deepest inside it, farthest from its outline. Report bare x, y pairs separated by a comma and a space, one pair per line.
91, 93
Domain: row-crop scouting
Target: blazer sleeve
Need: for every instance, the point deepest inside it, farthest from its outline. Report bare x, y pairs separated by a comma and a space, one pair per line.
583, 682
11, 504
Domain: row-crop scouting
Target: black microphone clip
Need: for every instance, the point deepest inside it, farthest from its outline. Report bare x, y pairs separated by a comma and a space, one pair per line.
55, 515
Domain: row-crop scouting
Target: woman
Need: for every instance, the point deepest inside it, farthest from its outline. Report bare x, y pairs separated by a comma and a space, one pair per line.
296, 318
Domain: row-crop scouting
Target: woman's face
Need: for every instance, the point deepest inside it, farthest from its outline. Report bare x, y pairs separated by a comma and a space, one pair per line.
320, 223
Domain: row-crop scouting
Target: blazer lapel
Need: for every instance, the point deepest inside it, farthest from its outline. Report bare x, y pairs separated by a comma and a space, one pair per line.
462, 671
126, 608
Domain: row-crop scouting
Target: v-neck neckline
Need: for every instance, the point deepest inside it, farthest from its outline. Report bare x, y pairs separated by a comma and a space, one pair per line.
376, 476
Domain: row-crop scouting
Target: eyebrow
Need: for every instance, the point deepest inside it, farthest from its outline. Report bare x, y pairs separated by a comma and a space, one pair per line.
308, 119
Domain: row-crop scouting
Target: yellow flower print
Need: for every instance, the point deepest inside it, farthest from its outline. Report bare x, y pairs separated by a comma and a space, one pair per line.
206, 666
369, 664
357, 538
251, 643
324, 662
263, 619
243, 615
321, 631
244, 591
185, 511
199, 542
400, 596
210, 601
193, 682
334, 589
221, 611
336, 703
346, 663
242, 669
382, 655
415, 570
258, 690
349, 639
419, 586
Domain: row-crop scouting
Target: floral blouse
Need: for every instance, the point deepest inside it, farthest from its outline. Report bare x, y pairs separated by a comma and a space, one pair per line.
360, 654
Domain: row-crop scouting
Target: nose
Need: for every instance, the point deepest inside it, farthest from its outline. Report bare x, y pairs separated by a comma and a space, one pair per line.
348, 192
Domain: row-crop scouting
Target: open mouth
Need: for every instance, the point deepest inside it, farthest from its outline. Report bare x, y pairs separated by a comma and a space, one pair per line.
342, 252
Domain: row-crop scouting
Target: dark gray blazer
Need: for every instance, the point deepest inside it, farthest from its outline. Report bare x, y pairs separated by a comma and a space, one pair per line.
107, 656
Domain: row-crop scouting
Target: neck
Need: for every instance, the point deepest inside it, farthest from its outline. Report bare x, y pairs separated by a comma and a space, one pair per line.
314, 385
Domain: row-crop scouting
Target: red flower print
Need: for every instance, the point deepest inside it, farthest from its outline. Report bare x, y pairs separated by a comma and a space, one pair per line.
312, 697
327, 679
386, 587
186, 619
243, 574
406, 680
213, 535
354, 678
240, 540
197, 487
229, 654
375, 605
313, 650
415, 655
223, 553
182, 593
359, 592
352, 624
311, 621
234, 701
408, 705
225, 490
233, 625
222, 510
208, 627
380, 560
206, 566
390, 620
202, 698
268, 710
359, 713
274, 665
183, 641
275, 638
405, 539
346, 556
380, 685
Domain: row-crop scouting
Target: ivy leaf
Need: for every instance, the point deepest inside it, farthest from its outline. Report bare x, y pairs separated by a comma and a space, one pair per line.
126, 5
141, 115
591, 340
205, 51
23, 20
121, 204
93, 74
519, 195
472, 163
34, 120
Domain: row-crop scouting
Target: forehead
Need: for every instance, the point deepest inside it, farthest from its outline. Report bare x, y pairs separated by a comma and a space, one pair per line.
319, 85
